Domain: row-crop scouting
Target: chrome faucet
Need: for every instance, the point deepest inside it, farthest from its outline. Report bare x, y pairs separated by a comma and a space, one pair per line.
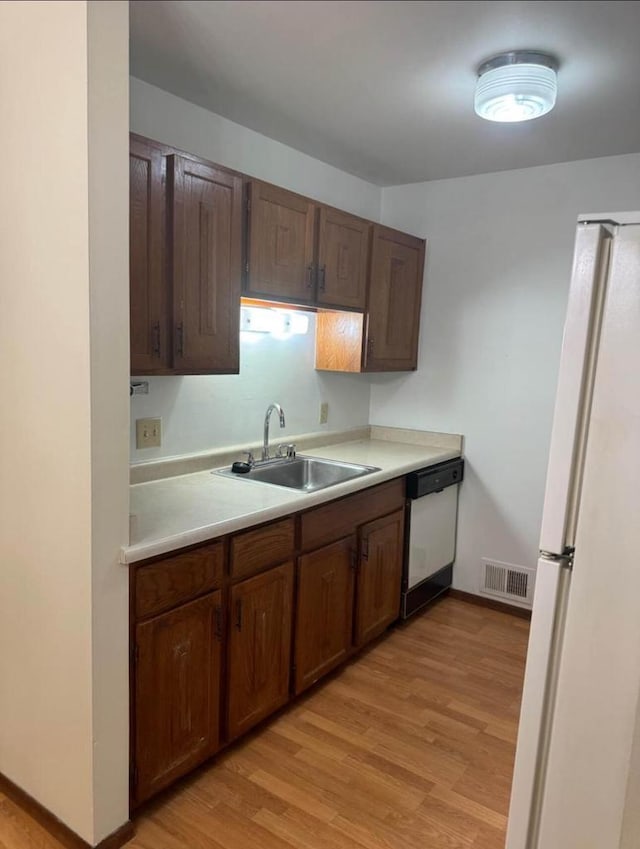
265, 444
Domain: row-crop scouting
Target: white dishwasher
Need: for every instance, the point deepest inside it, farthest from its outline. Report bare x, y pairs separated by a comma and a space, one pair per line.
430, 543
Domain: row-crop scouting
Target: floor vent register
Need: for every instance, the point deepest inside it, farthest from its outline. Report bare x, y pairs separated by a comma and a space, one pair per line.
508, 582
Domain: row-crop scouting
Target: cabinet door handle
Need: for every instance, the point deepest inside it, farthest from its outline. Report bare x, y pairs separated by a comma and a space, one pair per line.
365, 549
180, 340
323, 277
156, 339
239, 614
354, 559
218, 623
310, 276
370, 346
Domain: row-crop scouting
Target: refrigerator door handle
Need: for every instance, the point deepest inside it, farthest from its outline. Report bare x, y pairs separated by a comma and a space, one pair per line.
575, 385
565, 559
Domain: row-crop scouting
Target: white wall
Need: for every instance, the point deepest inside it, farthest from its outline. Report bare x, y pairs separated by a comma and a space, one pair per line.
108, 124
496, 282
203, 412
630, 836
55, 664
45, 502
162, 116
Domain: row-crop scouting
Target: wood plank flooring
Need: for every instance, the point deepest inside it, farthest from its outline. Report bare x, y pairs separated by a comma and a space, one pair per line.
409, 747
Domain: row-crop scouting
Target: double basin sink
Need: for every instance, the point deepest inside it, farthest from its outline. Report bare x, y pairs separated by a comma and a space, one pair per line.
305, 474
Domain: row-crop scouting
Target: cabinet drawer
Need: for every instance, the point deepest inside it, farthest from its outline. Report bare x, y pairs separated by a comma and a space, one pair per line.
163, 585
339, 518
266, 546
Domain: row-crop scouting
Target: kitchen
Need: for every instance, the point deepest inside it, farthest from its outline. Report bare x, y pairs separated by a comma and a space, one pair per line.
489, 350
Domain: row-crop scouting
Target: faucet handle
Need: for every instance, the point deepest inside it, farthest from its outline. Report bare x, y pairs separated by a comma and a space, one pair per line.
287, 450
249, 456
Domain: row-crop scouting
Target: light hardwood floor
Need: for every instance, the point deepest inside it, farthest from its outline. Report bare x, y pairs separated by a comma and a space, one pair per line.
409, 747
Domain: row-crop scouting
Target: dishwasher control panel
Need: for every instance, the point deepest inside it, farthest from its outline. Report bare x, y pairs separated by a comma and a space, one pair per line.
435, 478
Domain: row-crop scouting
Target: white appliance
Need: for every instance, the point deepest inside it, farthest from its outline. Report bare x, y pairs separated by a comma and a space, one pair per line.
430, 533
577, 766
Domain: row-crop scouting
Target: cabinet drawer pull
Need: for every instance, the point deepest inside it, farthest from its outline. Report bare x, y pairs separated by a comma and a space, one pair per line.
239, 614
219, 622
156, 339
180, 340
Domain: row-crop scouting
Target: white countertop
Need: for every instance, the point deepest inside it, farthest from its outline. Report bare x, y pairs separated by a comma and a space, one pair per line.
175, 512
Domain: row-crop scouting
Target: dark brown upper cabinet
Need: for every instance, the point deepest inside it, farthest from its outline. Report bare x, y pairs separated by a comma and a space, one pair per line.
304, 253
185, 262
343, 253
385, 338
395, 296
205, 206
188, 231
147, 272
281, 244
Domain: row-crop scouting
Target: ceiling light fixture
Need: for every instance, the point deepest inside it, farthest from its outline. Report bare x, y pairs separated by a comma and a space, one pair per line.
516, 86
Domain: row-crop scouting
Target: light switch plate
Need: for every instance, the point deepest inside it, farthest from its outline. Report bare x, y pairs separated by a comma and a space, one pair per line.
148, 433
324, 412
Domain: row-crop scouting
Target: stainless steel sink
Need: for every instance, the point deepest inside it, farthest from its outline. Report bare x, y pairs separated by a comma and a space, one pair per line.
306, 474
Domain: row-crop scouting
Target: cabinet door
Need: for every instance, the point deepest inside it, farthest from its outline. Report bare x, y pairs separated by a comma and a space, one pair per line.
148, 287
324, 613
281, 244
206, 227
342, 259
177, 693
395, 294
379, 576
259, 647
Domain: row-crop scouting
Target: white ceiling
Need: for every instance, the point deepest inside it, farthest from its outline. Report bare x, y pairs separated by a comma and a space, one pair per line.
384, 90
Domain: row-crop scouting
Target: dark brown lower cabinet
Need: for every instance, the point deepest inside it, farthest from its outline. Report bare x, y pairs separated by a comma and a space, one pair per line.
324, 613
259, 654
212, 627
379, 576
177, 692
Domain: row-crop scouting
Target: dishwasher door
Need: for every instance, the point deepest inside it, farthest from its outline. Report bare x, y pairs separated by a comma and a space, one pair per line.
432, 536
430, 543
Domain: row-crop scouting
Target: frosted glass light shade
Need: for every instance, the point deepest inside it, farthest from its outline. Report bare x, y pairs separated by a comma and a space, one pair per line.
516, 87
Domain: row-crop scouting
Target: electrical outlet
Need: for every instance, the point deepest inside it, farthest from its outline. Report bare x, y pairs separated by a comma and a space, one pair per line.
324, 412
148, 433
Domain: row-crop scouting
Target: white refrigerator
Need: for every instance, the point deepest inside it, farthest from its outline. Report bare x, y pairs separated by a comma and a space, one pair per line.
576, 778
